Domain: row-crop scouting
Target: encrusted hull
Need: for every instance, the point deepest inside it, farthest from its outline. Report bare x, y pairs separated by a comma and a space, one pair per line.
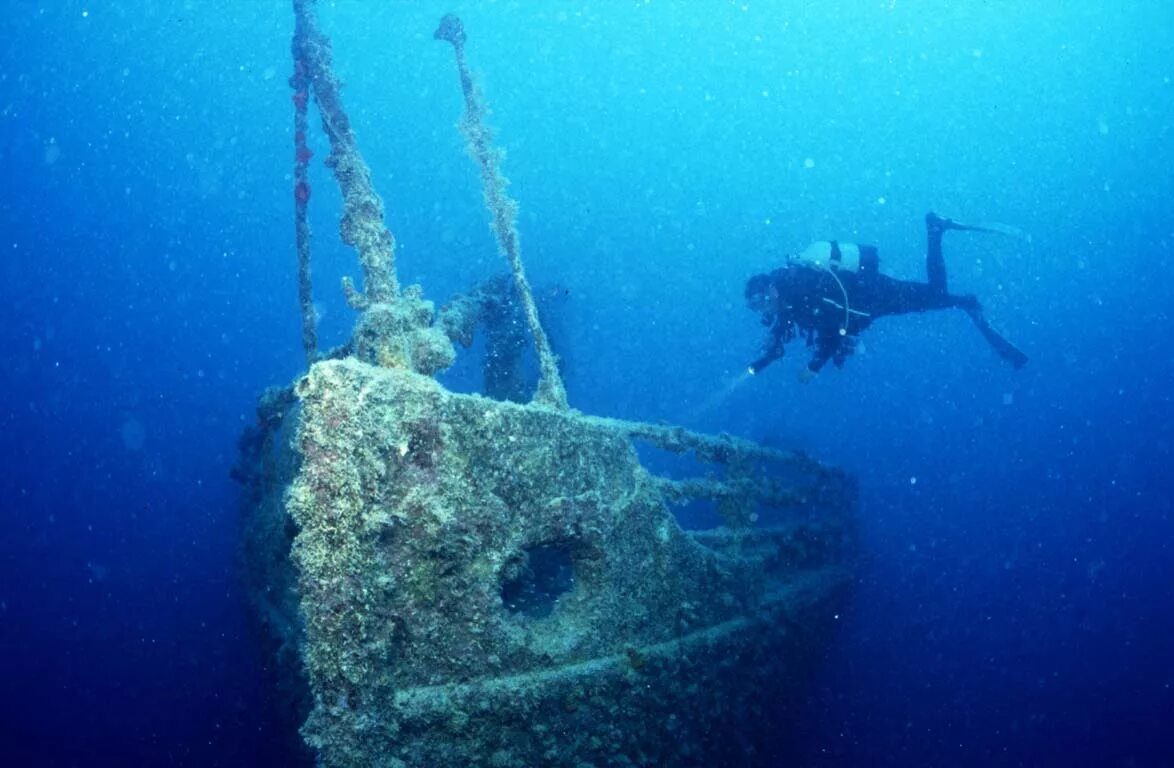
485, 583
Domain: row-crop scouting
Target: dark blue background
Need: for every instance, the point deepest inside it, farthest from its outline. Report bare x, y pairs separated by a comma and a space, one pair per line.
1015, 592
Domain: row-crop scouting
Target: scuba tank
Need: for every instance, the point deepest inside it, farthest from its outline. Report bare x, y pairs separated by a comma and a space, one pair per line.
832, 258
841, 257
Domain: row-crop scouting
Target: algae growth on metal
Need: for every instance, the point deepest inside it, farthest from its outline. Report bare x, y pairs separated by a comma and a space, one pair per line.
417, 509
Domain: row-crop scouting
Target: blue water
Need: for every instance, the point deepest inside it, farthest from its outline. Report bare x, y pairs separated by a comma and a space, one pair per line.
1015, 592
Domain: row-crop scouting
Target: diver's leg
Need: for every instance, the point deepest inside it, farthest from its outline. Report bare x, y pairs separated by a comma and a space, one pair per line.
935, 263
883, 295
1003, 348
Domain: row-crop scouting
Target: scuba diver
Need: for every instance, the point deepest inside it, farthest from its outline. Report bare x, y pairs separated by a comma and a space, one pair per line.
833, 291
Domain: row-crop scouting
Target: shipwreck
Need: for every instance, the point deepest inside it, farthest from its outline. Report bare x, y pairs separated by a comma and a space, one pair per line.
459, 579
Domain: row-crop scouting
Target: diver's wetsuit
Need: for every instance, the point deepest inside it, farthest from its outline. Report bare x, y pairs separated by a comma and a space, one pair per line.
831, 305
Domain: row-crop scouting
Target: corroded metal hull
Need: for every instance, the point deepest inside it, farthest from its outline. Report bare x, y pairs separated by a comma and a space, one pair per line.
473, 582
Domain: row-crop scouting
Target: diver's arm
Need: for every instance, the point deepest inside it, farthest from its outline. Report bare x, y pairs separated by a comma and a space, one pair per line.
825, 348
774, 350
764, 361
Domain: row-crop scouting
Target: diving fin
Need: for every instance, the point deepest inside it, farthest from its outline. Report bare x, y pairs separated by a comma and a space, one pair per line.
998, 229
1002, 347
992, 227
